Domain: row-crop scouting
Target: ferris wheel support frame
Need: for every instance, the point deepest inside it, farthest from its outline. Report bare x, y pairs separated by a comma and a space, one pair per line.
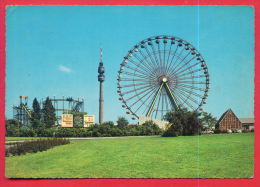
169, 94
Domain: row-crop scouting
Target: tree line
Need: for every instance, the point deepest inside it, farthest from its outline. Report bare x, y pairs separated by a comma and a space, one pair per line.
14, 128
180, 123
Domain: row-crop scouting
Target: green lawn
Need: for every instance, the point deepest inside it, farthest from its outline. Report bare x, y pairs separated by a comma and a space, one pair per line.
206, 156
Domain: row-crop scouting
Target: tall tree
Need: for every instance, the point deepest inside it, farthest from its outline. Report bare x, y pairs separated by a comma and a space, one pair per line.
190, 122
208, 121
36, 114
122, 122
48, 111
175, 129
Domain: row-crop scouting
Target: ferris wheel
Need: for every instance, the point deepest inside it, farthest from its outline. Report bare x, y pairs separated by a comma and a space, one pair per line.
160, 74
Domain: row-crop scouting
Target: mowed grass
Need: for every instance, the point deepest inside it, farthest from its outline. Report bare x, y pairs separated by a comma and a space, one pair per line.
206, 156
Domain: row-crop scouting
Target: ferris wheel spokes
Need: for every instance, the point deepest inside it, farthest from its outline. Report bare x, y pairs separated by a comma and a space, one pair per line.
140, 79
169, 94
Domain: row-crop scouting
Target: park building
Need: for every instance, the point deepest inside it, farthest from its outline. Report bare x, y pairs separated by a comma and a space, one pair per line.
229, 121
247, 123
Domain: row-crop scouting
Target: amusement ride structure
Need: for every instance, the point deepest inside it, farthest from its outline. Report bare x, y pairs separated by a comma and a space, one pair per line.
62, 105
160, 74
22, 112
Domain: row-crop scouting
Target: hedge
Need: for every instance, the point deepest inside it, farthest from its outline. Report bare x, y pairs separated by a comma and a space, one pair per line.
33, 146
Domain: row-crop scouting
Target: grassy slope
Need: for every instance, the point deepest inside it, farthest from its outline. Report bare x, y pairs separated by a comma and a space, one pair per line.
217, 156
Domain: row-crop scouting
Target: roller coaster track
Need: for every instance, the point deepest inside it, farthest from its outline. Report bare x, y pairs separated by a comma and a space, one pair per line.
27, 110
77, 107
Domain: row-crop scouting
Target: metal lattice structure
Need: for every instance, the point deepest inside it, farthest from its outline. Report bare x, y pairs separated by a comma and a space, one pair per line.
63, 105
21, 112
160, 74
66, 105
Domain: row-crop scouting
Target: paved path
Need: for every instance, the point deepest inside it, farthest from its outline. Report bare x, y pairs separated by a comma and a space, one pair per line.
101, 138
86, 138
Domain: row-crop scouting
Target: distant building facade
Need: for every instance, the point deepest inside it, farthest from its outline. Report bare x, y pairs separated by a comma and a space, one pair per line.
247, 123
161, 124
229, 120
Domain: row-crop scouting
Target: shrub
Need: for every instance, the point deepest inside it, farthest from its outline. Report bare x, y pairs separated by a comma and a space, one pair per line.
150, 128
34, 146
14, 132
96, 134
108, 124
190, 122
122, 122
13, 127
116, 132
174, 130
96, 130
65, 132
133, 131
45, 132
27, 133
36, 124
217, 131
252, 130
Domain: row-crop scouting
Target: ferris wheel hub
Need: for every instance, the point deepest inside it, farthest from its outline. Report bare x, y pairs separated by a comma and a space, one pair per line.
163, 79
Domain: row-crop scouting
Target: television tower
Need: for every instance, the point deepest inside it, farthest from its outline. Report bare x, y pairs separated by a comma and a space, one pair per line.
101, 79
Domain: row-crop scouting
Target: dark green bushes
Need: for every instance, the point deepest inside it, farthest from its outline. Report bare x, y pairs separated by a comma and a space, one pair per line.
106, 129
149, 128
72, 132
175, 129
27, 133
109, 129
45, 132
217, 131
13, 127
34, 146
183, 123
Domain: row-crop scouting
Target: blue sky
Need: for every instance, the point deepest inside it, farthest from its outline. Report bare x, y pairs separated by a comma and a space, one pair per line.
54, 51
